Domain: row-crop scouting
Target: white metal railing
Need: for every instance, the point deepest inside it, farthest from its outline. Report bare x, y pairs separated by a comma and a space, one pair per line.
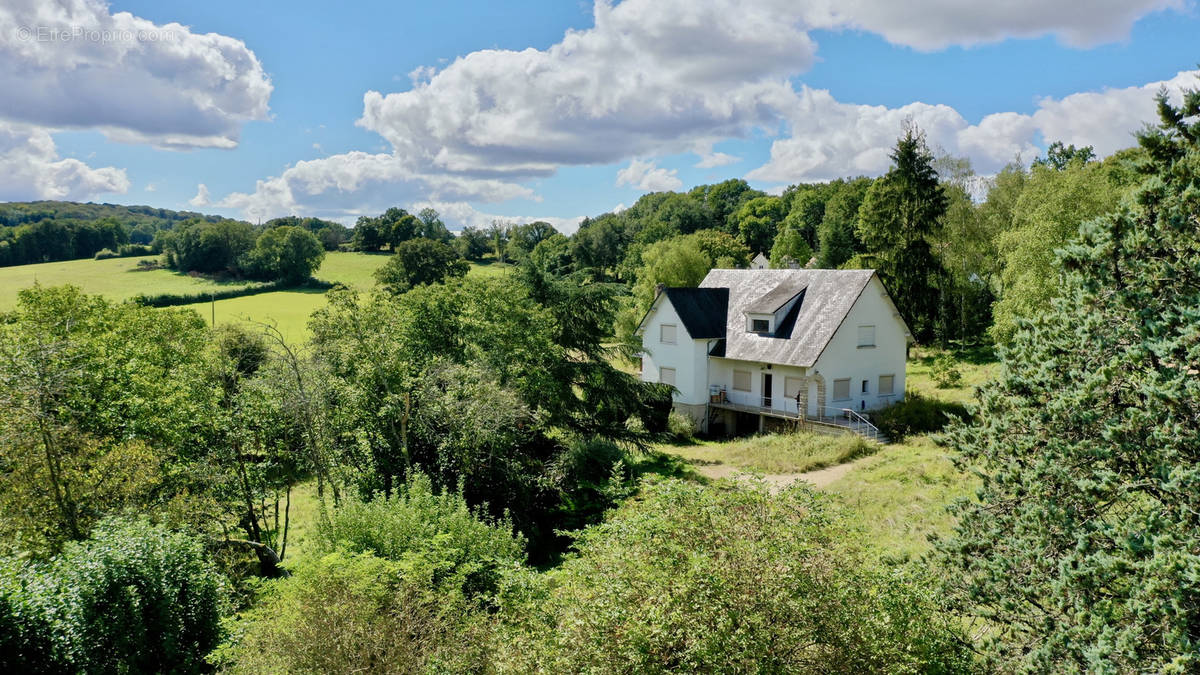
843, 417
851, 419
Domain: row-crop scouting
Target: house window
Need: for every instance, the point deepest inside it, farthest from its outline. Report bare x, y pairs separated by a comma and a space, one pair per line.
841, 390
866, 387
741, 380
760, 325
792, 386
666, 333
887, 385
666, 376
866, 336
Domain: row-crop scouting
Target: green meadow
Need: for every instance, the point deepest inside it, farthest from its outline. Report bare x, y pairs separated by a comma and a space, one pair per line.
121, 279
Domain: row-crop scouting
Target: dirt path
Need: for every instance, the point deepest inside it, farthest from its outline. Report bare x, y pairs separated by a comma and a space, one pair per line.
819, 478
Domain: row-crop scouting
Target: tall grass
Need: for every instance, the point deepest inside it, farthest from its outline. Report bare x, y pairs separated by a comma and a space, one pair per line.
779, 453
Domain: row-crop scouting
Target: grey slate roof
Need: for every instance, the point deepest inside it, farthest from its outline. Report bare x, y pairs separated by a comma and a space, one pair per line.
702, 310
774, 299
828, 297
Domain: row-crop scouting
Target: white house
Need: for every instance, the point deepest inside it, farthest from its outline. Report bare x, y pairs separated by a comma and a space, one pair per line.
760, 262
792, 343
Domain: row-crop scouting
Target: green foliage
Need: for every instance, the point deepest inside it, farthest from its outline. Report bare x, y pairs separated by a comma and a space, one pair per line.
1060, 157
898, 216
945, 371
680, 427
722, 248
758, 220
1081, 548
472, 243
699, 579
348, 613
287, 253
90, 396
1052, 206
133, 598
837, 235
917, 414
419, 262
105, 254
790, 248
523, 238
552, 256
464, 550
205, 246
29, 638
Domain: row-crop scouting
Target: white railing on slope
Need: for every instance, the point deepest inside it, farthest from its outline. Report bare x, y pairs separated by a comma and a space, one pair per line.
843, 417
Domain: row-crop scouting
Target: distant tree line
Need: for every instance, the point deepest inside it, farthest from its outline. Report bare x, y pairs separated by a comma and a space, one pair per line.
965, 257
48, 231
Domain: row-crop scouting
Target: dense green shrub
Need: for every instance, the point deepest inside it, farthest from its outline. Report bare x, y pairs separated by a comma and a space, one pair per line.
347, 613
680, 426
698, 579
945, 371
288, 254
464, 550
105, 254
133, 598
134, 250
917, 414
139, 598
30, 641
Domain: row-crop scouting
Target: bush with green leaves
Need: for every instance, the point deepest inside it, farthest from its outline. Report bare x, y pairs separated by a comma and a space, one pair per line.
356, 612
465, 549
689, 578
945, 372
917, 414
135, 597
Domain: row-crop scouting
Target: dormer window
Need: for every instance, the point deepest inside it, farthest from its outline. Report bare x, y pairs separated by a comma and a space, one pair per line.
760, 325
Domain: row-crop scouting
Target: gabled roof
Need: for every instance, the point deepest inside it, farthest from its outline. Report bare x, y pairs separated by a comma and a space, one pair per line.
828, 297
702, 310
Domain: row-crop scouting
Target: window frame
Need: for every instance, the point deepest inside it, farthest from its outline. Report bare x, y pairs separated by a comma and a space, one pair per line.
673, 372
749, 380
891, 388
861, 343
662, 338
834, 390
766, 325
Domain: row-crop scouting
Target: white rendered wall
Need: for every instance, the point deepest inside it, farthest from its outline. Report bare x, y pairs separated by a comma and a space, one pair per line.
720, 372
843, 358
687, 356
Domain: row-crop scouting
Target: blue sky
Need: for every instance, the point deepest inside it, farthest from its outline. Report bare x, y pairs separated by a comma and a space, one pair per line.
643, 93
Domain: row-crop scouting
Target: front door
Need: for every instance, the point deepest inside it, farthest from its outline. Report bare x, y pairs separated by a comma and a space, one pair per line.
766, 390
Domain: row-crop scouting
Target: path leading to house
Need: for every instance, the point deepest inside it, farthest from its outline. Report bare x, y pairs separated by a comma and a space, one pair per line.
819, 478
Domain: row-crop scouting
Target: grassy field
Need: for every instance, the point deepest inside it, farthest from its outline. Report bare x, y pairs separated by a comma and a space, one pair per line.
120, 279
776, 453
115, 278
898, 493
977, 366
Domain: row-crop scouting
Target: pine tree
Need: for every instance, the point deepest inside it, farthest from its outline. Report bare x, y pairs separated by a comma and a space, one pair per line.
897, 217
1083, 549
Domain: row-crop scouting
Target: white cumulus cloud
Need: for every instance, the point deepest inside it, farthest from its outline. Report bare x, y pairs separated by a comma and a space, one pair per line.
647, 176
934, 24
202, 197
828, 139
32, 169
75, 64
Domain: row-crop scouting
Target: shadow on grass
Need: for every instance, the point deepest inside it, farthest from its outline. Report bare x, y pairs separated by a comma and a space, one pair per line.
976, 355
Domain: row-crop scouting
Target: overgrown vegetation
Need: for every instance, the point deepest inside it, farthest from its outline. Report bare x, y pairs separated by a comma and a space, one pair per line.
467, 468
